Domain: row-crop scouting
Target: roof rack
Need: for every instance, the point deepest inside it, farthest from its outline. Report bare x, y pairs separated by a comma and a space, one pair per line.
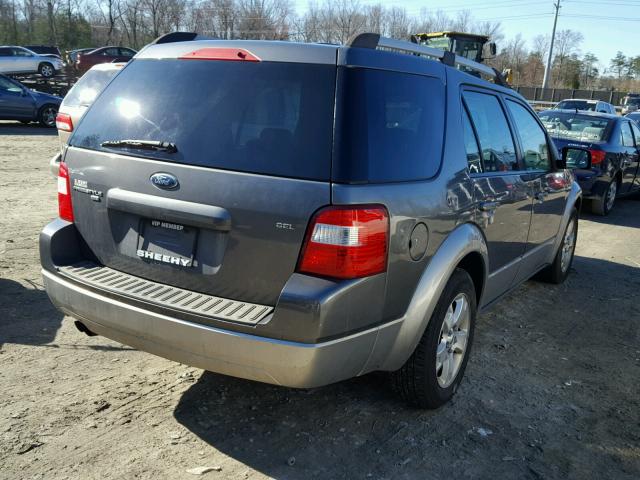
375, 41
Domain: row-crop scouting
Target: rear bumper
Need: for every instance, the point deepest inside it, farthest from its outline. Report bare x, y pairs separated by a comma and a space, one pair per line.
269, 360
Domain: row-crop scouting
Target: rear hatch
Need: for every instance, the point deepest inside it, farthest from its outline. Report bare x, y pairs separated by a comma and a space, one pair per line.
221, 206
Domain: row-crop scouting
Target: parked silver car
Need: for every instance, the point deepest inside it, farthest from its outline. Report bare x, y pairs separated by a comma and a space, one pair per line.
22, 60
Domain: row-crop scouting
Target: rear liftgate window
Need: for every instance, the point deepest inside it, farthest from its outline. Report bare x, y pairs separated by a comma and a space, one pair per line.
389, 126
261, 117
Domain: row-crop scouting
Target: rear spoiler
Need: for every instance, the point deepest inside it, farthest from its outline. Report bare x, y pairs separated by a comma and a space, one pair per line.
174, 37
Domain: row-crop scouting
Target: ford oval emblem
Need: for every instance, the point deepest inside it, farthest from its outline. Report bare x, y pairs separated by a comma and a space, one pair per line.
165, 181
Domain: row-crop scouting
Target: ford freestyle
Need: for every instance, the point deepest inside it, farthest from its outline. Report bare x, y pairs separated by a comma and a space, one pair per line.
300, 214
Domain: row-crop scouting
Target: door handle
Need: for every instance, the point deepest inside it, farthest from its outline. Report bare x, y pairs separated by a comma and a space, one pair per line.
488, 206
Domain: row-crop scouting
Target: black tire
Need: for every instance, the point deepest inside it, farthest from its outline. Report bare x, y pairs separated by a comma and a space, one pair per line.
602, 206
47, 115
417, 381
46, 70
558, 271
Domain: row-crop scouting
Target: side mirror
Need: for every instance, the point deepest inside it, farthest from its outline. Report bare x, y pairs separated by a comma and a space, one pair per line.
575, 157
489, 50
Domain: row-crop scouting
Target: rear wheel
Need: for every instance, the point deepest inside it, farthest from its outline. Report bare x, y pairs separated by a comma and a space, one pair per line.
47, 116
604, 205
46, 70
435, 369
558, 271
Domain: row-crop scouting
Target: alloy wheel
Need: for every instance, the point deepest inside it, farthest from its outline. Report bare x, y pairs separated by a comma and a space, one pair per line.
49, 116
454, 335
46, 71
567, 246
612, 191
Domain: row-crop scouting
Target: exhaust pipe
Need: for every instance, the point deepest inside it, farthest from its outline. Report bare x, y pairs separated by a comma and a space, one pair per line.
83, 328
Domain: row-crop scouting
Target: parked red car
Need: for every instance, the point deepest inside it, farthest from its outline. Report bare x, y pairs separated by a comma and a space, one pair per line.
103, 55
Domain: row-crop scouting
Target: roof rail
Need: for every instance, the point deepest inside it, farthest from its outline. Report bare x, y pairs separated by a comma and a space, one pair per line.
375, 41
175, 37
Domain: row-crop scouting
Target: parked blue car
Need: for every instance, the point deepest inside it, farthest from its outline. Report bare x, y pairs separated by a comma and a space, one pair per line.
603, 151
19, 103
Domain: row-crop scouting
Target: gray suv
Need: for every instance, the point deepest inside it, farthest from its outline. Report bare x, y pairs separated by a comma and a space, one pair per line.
300, 214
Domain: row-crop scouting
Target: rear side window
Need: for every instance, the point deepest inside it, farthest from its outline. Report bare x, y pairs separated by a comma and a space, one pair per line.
496, 142
85, 91
269, 118
471, 145
389, 126
636, 133
532, 137
627, 138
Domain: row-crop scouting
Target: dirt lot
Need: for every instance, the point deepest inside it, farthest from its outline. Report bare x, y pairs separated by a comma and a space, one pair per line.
552, 389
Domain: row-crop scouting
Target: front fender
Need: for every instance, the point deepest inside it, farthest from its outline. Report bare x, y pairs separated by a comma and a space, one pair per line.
395, 345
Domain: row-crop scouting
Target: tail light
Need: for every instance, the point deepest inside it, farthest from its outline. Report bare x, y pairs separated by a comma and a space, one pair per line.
64, 122
346, 242
65, 207
597, 157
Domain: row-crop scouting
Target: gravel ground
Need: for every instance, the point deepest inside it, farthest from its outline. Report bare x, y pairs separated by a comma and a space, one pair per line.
551, 390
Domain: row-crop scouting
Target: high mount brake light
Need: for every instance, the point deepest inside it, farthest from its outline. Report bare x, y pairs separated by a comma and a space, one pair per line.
346, 242
64, 122
227, 54
65, 207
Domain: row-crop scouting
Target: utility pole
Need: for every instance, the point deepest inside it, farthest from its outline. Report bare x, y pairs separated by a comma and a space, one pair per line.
547, 68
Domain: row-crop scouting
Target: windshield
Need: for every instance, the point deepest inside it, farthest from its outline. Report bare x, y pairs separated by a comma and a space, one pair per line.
442, 43
85, 91
572, 126
632, 101
471, 49
576, 105
261, 117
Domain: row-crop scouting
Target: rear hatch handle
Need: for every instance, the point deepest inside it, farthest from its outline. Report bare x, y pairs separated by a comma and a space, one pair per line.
169, 209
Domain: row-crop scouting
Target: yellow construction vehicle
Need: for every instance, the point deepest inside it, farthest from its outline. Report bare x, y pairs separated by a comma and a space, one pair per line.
469, 45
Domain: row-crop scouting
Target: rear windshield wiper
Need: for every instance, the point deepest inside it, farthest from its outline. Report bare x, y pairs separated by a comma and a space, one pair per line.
142, 145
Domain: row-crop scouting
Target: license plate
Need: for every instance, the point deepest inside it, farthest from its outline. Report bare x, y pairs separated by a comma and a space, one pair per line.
165, 242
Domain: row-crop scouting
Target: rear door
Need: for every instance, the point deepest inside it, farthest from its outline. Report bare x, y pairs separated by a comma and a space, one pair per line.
502, 194
629, 156
549, 187
24, 61
224, 210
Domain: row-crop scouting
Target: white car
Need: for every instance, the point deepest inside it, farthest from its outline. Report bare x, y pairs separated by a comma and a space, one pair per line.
22, 60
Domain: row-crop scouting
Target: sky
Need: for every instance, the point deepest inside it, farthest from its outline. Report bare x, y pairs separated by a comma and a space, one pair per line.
607, 25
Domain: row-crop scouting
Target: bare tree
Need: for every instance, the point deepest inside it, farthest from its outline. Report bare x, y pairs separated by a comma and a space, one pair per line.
398, 23
264, 19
